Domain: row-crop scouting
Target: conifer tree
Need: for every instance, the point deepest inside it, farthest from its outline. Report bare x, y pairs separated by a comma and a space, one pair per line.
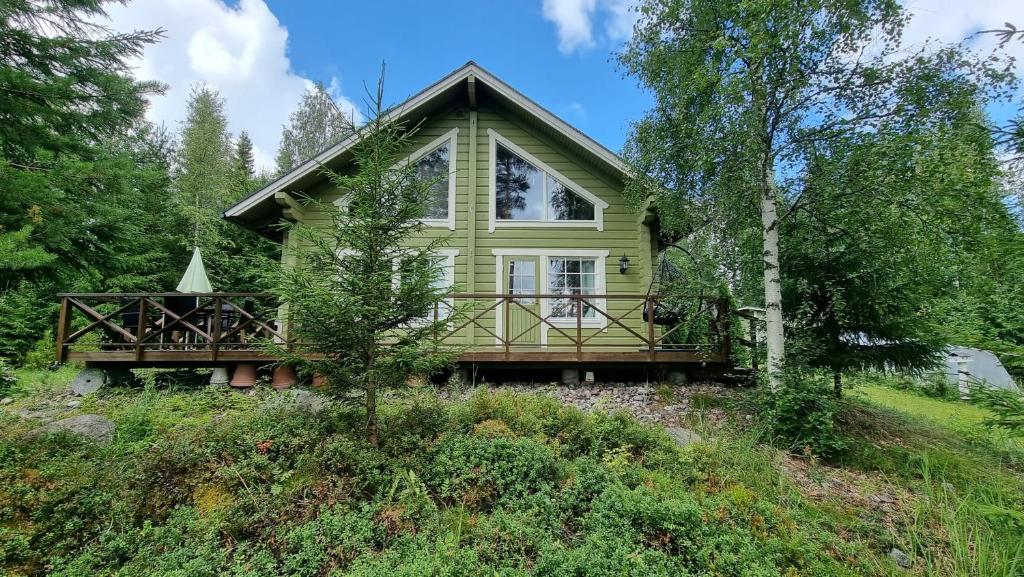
360, 293
68, 188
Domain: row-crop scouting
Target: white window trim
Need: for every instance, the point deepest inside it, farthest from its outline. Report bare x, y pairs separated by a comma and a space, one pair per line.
448, 254
600, 286
492, 221
452, 137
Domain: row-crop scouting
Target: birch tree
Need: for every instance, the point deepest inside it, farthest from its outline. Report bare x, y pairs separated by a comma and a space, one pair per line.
745, 92
314, 126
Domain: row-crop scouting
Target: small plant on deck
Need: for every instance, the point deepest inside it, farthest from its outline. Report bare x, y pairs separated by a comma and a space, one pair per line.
362, 291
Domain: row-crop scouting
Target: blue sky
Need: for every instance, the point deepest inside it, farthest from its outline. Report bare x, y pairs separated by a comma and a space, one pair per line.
510, 38
262, 54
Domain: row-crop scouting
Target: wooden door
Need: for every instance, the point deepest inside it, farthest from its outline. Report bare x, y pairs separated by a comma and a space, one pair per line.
522, 278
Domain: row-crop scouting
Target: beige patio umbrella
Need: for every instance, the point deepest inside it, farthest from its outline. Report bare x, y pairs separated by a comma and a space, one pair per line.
195, 280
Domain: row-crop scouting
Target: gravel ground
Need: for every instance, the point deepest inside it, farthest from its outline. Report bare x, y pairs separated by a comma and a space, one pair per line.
665, 405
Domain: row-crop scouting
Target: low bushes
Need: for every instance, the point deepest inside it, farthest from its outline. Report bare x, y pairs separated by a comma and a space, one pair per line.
497, 485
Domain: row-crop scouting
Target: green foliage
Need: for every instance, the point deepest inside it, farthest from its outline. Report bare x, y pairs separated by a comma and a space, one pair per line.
360, 294
803, 414
1007, 406
210, 174
750, 96
73, 174
312, 128
204, 483
7, 377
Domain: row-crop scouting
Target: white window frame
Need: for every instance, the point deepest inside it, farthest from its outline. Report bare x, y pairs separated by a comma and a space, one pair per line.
494, 139
452, 137
448, 254
546, 254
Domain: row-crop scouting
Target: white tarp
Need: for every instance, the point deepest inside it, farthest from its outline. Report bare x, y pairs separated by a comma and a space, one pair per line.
980, 366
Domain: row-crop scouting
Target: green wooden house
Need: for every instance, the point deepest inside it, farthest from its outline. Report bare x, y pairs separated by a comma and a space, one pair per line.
555, 264
551, 262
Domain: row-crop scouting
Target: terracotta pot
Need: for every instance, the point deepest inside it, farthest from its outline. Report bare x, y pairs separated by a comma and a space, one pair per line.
319, 381
284, 377
245, 376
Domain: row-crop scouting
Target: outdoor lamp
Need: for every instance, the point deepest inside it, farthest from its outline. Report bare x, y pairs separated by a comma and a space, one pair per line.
623, 264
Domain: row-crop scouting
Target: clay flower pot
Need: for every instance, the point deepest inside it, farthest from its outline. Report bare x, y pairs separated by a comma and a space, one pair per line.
284, 377
245, 376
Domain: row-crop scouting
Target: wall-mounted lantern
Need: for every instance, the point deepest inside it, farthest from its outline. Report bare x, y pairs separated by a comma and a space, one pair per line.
623, 264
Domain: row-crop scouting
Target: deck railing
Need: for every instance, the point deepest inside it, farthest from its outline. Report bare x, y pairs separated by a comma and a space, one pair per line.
146, 328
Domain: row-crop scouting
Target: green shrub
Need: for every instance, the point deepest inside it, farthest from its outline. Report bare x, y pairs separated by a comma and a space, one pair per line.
479, 471
42, 354
803, 414
7, 378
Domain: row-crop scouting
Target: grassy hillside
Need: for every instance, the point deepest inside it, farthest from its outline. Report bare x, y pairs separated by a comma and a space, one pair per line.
203, 482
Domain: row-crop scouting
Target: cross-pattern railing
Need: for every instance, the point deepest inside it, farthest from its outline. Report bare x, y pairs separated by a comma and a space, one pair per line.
140, 323
216, 327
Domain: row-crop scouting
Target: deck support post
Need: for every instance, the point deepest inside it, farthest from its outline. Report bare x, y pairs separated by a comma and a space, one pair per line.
650, 328
140, 330
579, 330
215, 345
504, 326
63, 328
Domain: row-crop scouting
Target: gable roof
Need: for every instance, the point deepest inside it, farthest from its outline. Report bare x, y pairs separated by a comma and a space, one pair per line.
259, 209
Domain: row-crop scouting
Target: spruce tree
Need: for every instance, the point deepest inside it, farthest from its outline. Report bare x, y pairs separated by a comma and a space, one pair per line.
361, 291
69, 187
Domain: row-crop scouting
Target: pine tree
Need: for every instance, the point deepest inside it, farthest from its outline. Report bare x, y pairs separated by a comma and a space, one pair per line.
317, 124
205, 183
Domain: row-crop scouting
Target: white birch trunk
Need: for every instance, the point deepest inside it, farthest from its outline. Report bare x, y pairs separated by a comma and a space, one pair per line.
774, 334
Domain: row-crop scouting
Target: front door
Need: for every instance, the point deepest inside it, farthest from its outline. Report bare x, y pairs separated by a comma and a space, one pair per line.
522, 278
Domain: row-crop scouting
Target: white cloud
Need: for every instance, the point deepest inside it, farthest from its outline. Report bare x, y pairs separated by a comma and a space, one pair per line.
951, 21
239, 51
575, 20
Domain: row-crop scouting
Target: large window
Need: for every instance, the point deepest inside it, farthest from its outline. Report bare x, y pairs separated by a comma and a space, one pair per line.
434, 167
525, 192
435, 162
571, 276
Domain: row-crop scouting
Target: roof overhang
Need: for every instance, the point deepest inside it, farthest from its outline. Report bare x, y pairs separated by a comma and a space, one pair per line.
260, 211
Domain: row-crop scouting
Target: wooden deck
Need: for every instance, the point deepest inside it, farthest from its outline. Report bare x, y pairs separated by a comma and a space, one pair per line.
132, 330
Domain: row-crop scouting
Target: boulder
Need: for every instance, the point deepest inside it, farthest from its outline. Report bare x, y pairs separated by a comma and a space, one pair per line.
308, 400
96, 427
6, 401
900, 558
88, 381
683, 437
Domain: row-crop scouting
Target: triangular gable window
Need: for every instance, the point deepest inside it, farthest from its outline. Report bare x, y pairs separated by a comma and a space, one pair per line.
526, 192
434, 166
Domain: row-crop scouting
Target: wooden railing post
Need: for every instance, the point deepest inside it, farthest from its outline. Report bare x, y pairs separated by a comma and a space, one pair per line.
650, 326
140, 329
579, 328
218, 305
63, 328
504, 325
436, 318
